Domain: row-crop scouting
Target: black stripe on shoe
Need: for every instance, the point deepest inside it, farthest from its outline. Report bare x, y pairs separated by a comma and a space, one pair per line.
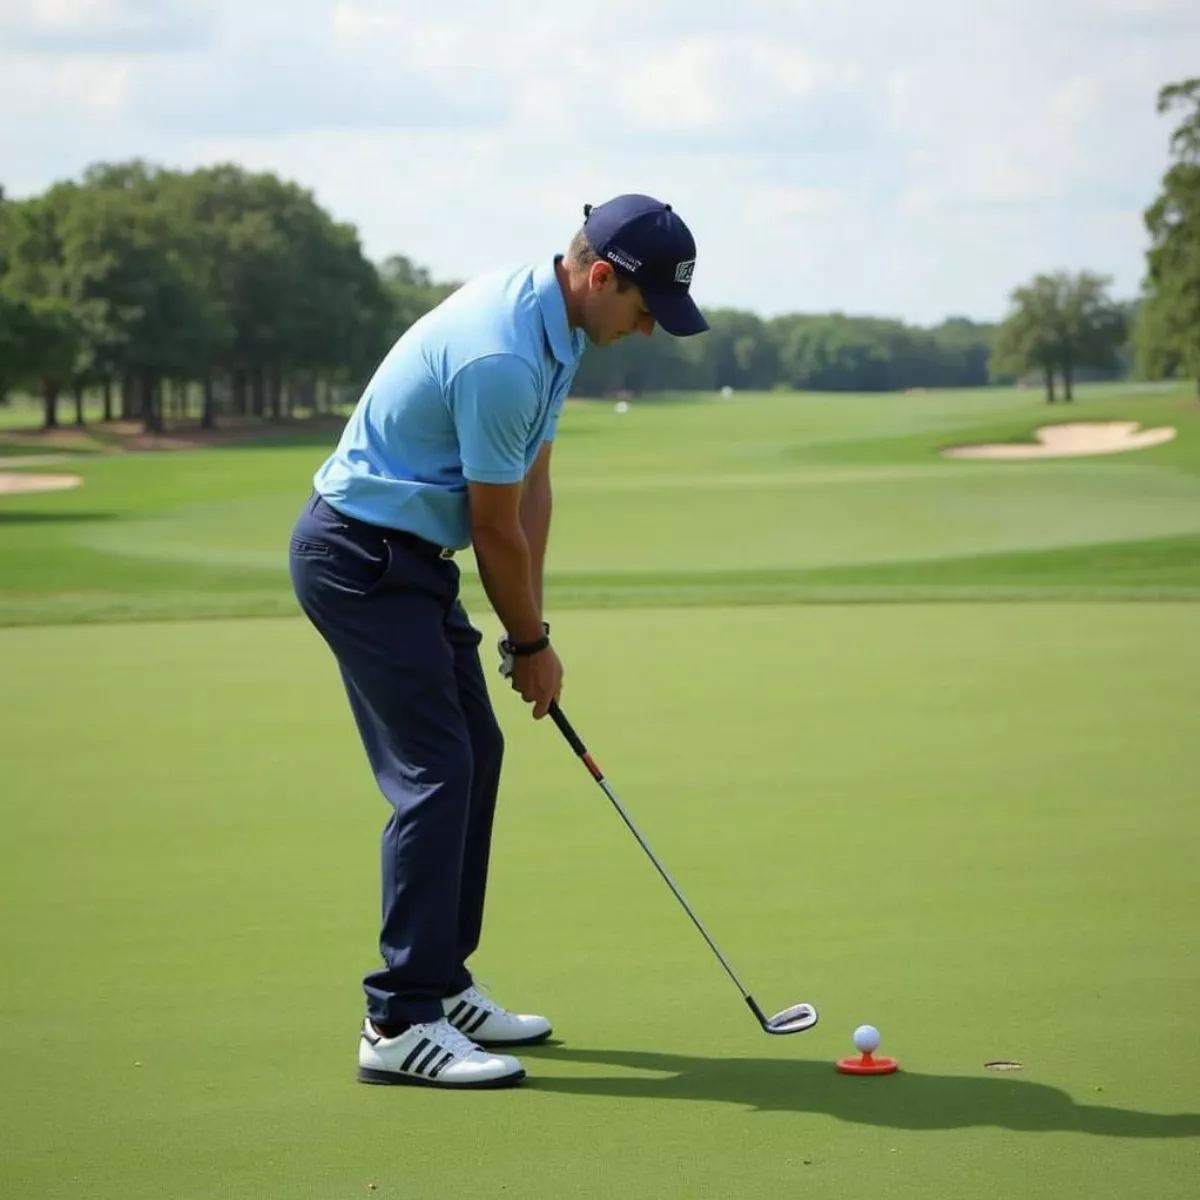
425, 1063
464, 1018
447, 1059
408, 1062
456, 1011
483, 1016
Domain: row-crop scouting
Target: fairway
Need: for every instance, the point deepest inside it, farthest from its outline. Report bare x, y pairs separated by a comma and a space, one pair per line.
915, 737
765, 499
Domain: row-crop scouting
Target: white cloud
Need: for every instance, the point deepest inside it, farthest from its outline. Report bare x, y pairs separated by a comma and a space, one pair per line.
1141, 8
912, 161
713, 87
103, 26
77, 14
96, 91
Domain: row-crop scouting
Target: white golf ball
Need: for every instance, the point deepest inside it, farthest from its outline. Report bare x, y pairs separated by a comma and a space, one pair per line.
622, 406
866, 1038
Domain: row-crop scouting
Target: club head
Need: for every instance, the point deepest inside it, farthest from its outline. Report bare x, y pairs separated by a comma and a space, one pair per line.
796, 1019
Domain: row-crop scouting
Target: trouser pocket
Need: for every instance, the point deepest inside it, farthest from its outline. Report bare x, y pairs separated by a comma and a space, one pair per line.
328, 554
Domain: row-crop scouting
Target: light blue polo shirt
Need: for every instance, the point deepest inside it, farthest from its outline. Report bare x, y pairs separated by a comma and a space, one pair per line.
469, 392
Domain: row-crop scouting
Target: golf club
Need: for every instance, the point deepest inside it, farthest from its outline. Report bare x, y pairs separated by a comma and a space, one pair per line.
791, 1020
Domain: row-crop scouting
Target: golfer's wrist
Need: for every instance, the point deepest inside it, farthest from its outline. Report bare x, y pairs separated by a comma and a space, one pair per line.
523, 647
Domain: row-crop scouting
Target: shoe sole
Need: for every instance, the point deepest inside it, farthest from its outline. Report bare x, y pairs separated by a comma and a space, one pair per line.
396, 1078
536, 1040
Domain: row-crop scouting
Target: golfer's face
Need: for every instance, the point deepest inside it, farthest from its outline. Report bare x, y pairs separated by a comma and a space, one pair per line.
616, 314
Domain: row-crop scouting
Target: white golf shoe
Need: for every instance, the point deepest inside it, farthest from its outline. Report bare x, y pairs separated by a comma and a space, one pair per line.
485, 1022
432, 1055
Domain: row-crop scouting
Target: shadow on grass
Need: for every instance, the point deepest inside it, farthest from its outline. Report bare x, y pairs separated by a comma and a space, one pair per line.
906, 1100
51, 518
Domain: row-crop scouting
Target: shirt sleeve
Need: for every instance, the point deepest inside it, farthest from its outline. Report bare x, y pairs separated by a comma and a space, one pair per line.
494, 402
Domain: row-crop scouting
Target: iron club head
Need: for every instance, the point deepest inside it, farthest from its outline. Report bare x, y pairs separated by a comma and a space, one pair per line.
796, 1019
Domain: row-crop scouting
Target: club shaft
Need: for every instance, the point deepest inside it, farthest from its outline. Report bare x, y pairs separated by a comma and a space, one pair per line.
581, 750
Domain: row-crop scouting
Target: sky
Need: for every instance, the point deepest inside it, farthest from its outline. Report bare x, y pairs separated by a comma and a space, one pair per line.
915, 160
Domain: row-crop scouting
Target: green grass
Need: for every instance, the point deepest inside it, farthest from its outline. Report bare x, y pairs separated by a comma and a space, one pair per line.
760, 500
970, 825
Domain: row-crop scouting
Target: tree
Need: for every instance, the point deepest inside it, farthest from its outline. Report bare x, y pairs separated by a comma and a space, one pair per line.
138, 266
1157, 338
402, 270
411, 292
299, 296
46, 324
1168, 333
53, 340
1093, 327
1058, 324
740, 350
1185, 140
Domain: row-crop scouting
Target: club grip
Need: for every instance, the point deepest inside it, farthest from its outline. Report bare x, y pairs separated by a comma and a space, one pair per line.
559, 718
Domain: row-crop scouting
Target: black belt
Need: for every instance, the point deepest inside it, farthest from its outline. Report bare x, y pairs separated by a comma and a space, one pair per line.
390, 534
419, 544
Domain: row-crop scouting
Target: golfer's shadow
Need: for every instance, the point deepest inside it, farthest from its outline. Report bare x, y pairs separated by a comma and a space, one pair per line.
905, 1100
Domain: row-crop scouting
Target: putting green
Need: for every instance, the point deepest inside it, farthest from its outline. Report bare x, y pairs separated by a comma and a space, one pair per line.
971, 826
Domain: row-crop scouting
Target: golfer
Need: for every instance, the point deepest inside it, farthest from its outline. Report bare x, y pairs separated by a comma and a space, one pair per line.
448, 447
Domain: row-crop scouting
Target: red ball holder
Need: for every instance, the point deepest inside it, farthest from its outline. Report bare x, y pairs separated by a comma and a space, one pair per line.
867, 1065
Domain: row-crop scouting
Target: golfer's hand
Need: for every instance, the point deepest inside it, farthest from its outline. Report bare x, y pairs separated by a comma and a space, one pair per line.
538, 678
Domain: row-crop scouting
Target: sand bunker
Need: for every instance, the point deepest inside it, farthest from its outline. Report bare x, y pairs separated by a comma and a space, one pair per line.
11, 482
1072, 441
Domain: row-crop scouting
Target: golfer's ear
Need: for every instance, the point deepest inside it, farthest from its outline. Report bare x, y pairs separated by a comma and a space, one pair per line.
599, 274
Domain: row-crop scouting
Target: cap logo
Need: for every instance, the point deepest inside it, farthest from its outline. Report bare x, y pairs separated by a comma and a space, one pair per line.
622, 259
683, 272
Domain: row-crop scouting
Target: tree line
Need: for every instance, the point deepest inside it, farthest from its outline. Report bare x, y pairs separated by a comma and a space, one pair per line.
142, 281
236, 293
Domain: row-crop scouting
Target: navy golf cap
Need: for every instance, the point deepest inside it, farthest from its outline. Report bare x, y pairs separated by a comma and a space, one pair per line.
646, 241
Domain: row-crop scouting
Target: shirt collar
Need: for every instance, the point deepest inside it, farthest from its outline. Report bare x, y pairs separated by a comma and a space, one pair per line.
566, 344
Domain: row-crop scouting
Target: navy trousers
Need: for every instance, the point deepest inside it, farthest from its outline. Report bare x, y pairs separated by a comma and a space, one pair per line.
388, 607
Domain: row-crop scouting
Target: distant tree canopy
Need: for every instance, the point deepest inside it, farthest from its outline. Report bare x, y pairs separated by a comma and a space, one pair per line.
1168, 330
827, 353
145, 282
151, 279
156, 288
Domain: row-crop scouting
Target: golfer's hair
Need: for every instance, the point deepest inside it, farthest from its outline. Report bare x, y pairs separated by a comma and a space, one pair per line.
581, 253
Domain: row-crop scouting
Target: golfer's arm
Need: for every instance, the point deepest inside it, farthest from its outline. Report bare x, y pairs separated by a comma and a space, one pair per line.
536, 506
505, 559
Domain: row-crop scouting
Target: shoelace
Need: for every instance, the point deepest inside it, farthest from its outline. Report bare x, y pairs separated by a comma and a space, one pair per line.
474, 996
449, 1038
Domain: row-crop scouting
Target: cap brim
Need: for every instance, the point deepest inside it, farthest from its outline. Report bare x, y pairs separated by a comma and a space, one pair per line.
676, 312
